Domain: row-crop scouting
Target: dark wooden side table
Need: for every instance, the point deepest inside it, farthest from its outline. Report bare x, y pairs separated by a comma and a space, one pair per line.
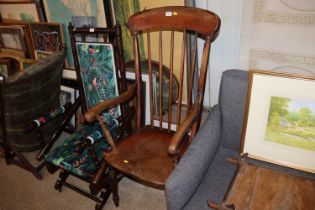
255, 187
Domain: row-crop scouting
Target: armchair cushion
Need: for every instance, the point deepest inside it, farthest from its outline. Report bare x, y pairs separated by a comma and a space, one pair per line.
232, 99
185, 179
216, 181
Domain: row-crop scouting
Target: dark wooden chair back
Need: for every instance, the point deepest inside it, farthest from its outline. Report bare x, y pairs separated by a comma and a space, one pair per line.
168, 32
111, 36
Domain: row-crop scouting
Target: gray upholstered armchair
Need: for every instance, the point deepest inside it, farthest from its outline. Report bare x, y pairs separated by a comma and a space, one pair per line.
204, 172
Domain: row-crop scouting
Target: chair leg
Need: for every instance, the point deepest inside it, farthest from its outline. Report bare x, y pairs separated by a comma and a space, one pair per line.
62, 178
113, 183
11, 153
104, 197
51, 168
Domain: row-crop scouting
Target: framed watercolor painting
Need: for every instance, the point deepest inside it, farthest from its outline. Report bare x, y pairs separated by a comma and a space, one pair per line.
24, 44
98, 75
47, 37
63, 12
279, 125
11, 37
19, 11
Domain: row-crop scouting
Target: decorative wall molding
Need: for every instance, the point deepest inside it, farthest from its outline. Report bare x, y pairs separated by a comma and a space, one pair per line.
278, 35
280, 57
301, 15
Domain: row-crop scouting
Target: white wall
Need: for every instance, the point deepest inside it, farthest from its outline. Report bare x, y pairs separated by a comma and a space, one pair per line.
225, 49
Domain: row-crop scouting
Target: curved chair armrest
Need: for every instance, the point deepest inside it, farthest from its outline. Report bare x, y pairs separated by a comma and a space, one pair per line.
90, 115
181, 131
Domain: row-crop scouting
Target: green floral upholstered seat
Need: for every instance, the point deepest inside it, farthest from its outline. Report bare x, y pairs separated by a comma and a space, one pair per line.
81, 164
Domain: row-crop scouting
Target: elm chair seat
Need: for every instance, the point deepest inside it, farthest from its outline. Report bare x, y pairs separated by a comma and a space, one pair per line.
133, 157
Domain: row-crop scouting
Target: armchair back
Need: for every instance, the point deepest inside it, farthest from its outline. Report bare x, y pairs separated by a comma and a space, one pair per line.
232, 103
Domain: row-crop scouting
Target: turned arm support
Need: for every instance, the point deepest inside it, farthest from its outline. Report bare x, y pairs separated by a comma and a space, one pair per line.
91, 114
182, 130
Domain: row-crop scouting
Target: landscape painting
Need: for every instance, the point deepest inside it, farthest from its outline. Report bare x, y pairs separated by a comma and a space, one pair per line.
291, 122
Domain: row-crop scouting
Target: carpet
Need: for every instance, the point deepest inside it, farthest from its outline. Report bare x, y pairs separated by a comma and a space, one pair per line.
20, 190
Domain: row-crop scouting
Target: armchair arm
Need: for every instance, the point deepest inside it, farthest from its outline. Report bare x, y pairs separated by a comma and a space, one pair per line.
188, 174
91, 114
181, 131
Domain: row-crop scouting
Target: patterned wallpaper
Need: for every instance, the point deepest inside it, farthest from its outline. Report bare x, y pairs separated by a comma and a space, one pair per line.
278, 35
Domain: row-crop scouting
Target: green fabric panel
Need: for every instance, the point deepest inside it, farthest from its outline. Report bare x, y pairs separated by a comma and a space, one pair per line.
82, 164
98, 73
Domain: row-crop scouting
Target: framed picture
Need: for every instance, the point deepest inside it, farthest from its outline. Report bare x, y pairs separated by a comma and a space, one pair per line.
279, 124
10, 1
67, 11
8, 67
67, 95
99, 83
28, 51
4, 68
47, 37
19, 11
11, 37
40, 55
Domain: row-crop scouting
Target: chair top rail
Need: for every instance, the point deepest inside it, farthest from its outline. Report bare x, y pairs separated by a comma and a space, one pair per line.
176, 17
92, 30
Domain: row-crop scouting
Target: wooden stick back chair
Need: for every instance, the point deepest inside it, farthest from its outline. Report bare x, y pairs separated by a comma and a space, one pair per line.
150, 154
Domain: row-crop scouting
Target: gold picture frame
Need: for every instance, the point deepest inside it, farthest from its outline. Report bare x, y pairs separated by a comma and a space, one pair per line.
279, 124
19, 11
